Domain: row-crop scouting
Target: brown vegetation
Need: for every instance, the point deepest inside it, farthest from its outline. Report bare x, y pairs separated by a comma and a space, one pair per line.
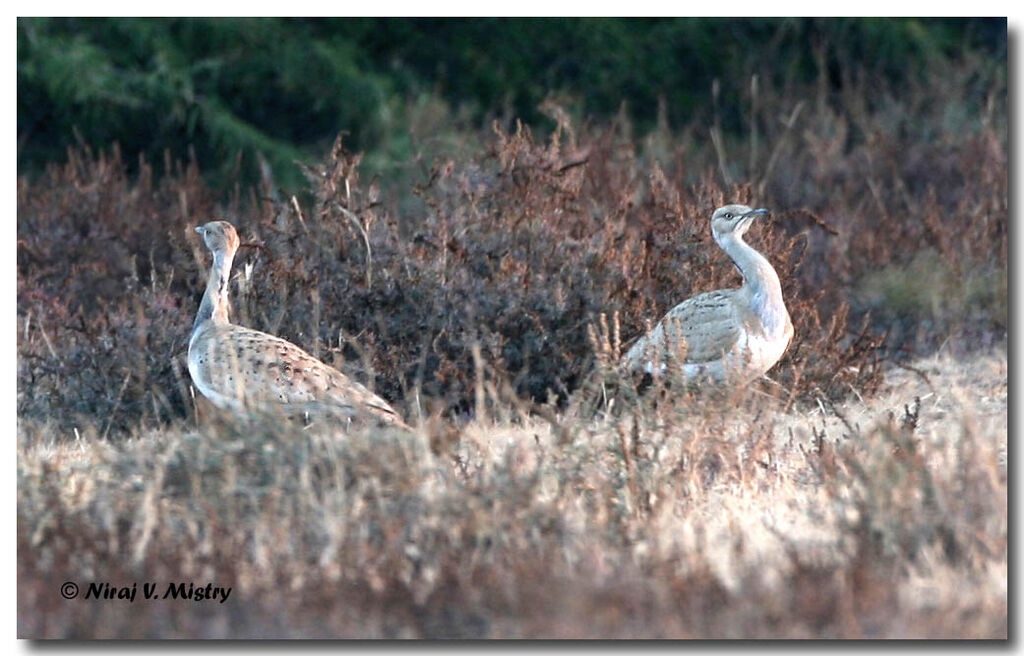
515, 253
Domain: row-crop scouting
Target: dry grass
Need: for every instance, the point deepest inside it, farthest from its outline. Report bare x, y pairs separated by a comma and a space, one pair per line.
877, 519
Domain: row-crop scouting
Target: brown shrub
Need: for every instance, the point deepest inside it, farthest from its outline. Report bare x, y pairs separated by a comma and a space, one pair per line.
511, 256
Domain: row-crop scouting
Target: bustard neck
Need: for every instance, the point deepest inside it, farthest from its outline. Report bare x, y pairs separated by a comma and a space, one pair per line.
215, 305
760, 282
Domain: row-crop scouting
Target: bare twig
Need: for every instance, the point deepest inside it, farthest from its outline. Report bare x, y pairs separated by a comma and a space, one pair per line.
366, 241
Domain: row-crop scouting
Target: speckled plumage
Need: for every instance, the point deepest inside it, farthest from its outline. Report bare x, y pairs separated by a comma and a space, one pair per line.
726, 335
241, 368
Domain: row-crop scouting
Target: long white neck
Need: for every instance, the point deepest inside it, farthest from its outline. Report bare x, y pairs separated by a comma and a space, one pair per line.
760, 282
214, 306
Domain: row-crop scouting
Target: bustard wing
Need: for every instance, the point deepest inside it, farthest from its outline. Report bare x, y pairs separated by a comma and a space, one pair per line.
703, 327
241, 366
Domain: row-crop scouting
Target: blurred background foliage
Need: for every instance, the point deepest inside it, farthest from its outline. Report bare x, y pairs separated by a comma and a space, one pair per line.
228, 92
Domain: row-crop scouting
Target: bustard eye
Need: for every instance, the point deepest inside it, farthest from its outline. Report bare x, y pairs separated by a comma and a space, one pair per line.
727, 215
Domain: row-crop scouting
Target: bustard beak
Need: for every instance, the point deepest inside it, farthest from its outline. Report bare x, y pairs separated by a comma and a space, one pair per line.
199, 229
748, 217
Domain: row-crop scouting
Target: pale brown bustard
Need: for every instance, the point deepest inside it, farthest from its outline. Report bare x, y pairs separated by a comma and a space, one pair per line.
244, 369
726, 336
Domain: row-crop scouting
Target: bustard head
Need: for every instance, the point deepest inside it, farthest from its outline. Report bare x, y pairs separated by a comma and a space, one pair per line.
219, 236
733, 220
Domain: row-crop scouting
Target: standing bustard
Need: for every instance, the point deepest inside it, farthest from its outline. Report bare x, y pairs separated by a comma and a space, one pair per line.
727, 335
237, 367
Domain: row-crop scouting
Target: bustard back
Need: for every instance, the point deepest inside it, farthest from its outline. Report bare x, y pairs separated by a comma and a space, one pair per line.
727, 335
241, 368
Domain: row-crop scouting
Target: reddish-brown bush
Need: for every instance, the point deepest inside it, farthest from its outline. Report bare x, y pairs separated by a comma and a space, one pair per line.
511, 255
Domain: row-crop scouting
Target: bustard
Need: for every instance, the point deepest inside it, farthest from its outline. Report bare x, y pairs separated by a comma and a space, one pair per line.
241, 368
728, 335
